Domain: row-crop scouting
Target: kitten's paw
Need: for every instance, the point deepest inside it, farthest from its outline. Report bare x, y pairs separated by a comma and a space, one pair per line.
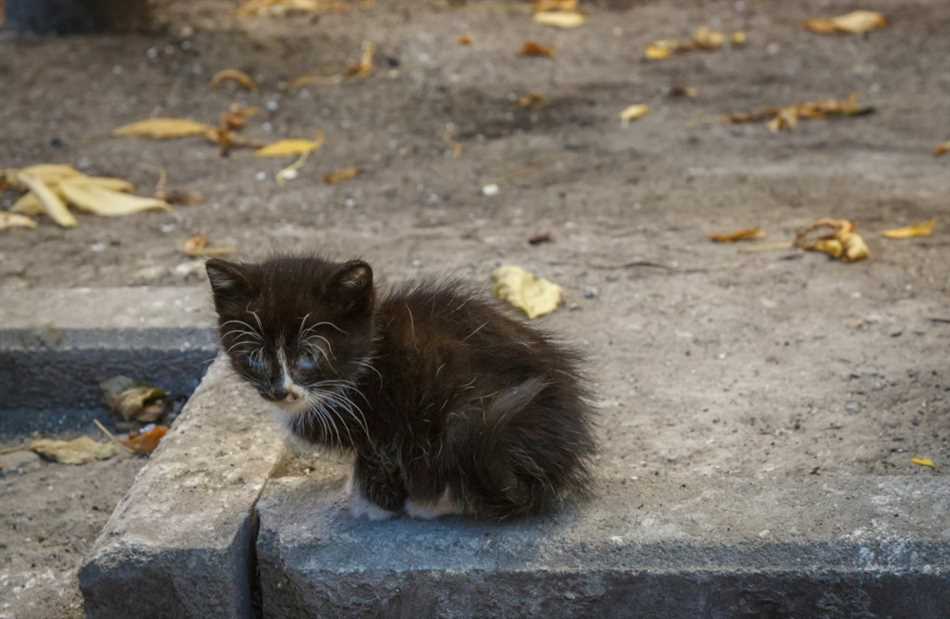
445, 506
361, 506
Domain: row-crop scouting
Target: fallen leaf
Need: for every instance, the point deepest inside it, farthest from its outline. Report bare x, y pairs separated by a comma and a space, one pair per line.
928, 462
542, 237
49, 173
291, 147
634, 112
81, 450
678, 90
164, 128
856, 22
787, 117
533, 295
705, 38
922, 229
279, 8
536, 50
145, 441
664, 48
554, 5
464, 40
133, 401
739, 39
237, 116
15, 220
52, 204
199, 246
234, 75
366, 66
532, 99
840, 241
942, 149
560, 19
342, 175
746, 234
105, 202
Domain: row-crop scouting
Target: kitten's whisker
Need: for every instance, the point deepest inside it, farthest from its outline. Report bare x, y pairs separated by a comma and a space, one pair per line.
480, 327
240, 323
257, 318
303, 321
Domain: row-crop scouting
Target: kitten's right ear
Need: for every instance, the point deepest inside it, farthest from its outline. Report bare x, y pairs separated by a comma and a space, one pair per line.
228, 280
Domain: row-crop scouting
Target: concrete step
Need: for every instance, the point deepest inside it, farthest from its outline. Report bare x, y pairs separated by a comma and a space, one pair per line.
57, 345
696, 547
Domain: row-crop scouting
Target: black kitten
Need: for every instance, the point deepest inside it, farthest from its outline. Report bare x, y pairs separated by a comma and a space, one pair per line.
449, 405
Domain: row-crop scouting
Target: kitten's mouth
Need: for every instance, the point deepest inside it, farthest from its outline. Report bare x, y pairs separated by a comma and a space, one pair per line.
294, 402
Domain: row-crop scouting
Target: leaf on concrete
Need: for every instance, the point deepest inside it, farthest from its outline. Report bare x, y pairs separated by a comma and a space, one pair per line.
199, 246
533, 295
292, 147
555, 5
147, 440
560, 19
530, 100
366, 65
839, 240
342, 175
164, 128
99, 200
52, 204
922, 229
234, 75
536, 50
856, 22
15, 220
787, 117
279, 8
942, 149
708, 39
77, 451
927, 462
746, 234
464, 40
133, 401
634, 112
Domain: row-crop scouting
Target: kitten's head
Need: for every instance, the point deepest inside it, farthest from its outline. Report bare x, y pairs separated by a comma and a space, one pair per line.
298, 329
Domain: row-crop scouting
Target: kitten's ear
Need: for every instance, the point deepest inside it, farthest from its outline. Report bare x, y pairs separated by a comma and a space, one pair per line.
352, 286
228, 280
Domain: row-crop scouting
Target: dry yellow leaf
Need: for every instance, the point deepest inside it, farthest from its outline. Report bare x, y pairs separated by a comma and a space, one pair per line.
464, 40
663, 49
532, 49
788, 117
704, 38
634, 112
855, 22
342, 175
840, 241
105, 202
52, 204
942, 149
739, 38
922, 229
234, 75
533, 295
928, 462
292, 147
366, 66
555, 5
15, 220
50, 173
199, 246
532, 99
560, 19
164, 128
77, 451
746, 234
28, 204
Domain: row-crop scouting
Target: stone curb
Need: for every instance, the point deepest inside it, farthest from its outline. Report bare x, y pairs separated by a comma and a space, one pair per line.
181, 542
838, 547
57, 345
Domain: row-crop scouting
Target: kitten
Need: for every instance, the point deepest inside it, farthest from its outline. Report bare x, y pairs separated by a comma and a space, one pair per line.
449, 405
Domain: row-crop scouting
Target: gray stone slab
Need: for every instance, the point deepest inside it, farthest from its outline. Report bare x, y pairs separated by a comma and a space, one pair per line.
697, 547
181, 542
57, 345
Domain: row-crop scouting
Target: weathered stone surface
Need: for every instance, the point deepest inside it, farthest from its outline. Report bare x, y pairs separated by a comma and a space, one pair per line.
57, 345
180, 543
842, 547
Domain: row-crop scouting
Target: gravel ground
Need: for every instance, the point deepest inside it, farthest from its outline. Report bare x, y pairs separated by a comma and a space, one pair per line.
709, 360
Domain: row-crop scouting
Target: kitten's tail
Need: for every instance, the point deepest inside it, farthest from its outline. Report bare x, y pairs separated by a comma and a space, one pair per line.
514, 469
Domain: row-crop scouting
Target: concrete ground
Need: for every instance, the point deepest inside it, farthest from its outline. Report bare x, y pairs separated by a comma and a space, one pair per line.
708, 361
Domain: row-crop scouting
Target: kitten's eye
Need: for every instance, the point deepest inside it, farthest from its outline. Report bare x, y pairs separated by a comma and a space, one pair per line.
307, 362
256, 363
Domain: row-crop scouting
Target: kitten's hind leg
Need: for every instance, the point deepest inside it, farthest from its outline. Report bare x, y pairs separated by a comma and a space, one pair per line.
374, 492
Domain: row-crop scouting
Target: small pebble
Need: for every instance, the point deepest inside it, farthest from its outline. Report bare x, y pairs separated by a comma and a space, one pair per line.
490, 190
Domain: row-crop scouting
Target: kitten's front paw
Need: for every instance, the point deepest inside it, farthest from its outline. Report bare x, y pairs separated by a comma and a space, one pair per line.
361, 506
445, 506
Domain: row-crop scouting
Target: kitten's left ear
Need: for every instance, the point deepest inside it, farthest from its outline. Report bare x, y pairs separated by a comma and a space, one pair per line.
352, 285
227, 278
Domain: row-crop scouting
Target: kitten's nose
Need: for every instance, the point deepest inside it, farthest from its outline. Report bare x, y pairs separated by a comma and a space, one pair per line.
280, 394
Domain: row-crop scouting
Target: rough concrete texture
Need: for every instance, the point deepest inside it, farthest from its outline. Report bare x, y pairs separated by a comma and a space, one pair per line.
180, 543
690, 547
57, 345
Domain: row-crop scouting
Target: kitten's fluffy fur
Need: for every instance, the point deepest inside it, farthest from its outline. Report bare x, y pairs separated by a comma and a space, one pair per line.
449, 405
